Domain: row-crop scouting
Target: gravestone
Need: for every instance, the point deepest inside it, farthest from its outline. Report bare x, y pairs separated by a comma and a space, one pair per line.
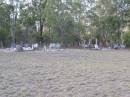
19, 48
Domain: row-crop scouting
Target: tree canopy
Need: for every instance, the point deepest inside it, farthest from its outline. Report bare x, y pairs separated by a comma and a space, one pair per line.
69, 22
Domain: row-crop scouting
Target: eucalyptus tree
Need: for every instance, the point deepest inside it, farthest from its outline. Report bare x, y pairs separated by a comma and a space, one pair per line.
4, 24
38, 7
14, 9
64, 21
26, 22
104, 22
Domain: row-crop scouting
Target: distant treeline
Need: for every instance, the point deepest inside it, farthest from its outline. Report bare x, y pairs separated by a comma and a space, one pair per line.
69, 22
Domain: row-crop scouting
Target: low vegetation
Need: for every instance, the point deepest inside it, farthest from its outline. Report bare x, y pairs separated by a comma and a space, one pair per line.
127, 39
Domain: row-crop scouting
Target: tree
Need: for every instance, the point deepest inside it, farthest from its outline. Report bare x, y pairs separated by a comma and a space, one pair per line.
64, 21
61, 19
4, 24
127, 39
106, 21
39, 7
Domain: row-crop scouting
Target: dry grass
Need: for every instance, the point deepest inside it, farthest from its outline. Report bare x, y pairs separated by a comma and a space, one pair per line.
66, 73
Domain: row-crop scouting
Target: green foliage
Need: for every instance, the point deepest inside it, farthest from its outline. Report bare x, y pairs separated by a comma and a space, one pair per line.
4, 24
3, 34
55, 37
45, 38
59, 17
64, 22
87, 36
127, 39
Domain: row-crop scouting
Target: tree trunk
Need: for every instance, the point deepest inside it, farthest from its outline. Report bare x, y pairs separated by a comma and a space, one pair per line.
1, 44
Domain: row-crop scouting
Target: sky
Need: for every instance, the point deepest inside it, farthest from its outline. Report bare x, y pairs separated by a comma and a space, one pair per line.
7, 1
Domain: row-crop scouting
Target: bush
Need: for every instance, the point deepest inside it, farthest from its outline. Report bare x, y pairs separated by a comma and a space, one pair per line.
127, 39
45, 38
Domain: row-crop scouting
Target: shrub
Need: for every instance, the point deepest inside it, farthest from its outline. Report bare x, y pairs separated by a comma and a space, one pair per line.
127, 39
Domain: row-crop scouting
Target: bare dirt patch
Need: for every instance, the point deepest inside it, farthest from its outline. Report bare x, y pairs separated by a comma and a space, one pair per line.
66, 73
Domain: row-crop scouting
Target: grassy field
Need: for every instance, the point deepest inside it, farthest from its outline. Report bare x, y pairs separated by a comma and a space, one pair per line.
65, 73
